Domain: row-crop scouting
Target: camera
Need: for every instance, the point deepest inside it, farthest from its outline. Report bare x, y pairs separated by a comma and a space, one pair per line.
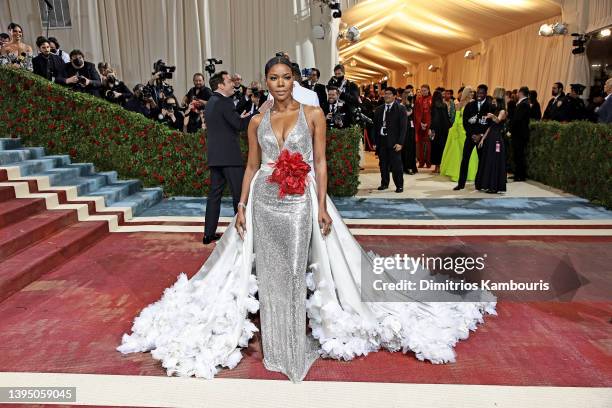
361, 119
145, 94
164, 70
82, 80
210, 67
306, 72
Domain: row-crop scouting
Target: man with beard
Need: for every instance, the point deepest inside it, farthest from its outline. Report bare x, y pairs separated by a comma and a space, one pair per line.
335, 110
557, 108
239, 89
313, 84
46, 64
475, 123
80, 75
196, 100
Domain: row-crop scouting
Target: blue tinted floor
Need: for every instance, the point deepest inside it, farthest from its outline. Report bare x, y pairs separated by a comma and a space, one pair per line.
562, 208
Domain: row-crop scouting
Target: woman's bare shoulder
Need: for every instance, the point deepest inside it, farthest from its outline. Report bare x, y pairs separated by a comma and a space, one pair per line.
313, 112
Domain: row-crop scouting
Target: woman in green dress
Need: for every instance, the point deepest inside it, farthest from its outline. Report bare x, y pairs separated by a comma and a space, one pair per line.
451, 158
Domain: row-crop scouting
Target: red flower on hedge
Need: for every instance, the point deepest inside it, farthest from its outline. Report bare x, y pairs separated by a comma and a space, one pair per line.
290, 172
73, 152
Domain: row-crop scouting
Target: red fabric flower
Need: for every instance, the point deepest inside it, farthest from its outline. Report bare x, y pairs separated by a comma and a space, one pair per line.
290, 172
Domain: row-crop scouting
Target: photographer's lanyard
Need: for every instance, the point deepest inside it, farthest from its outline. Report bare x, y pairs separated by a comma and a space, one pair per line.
384, 121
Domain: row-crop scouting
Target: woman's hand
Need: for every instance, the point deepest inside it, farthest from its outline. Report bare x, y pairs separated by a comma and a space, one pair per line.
241, 223
325, 222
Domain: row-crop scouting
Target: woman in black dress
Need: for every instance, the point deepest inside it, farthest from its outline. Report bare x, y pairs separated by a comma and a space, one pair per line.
491, 176
438, 132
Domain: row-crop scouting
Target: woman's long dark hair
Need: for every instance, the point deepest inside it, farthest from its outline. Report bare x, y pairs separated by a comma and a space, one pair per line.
436, 99
275, 61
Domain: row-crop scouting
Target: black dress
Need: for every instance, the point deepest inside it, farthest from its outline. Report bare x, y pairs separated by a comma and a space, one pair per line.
491, 176
440, 124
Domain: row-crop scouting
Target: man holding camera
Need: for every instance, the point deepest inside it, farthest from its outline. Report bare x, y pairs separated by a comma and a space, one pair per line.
349, 91
335, 110
390, 128
239, 90
80, 75
113, 90
142, 102
196, 100
170, 115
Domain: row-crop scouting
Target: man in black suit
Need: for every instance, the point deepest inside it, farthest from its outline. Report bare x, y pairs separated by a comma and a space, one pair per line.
80, 75
475, 123
46, 64
557, 108
313, 84
336, 112
224, 156
519, 129
390, 127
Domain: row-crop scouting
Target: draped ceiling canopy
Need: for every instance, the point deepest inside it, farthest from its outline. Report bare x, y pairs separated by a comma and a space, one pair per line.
396, 35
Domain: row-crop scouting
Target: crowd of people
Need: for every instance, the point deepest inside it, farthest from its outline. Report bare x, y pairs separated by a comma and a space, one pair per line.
464, 136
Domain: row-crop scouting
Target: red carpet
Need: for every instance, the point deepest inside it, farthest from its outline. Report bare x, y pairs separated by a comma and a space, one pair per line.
71, 319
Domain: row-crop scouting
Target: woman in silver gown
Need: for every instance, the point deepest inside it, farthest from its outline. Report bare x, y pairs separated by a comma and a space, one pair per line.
304, 269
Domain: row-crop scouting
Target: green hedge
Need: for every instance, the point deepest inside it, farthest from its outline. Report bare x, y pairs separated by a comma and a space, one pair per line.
93, 130
575, 157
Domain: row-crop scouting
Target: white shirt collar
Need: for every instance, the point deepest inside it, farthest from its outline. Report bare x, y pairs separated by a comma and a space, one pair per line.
522, 99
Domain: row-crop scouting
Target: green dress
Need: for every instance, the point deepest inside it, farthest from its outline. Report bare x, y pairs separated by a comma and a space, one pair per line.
453, 151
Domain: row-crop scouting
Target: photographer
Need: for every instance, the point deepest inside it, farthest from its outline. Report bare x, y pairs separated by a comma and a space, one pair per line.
349, 91
142, 102
239, 89
170, 115
113, 90
246, 103
336, 112
159, 88
80, 75
196, 100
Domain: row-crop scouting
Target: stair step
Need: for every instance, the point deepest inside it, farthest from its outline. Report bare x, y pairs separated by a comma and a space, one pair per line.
111, 175
31, 167
8, 144
141, 201
14, 156
118, 191
18, 209
20, 235
30, 264
87, 169
85, 185
6, 194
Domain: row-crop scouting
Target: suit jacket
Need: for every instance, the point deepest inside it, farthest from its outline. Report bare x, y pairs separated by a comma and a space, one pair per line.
88, 70
321, 93
557, 109
605, 111
223, 124
482, 123
519, 127
396, 122
51, 67
344, 113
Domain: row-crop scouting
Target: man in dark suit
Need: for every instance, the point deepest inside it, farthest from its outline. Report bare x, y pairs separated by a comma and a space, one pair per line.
46, 64
313, 84
336, 112
557, 108
80, 75
224, 156
390, 127
519, 129
604, 113
475, 123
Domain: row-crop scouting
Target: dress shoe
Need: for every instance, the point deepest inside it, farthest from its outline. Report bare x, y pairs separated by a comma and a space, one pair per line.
399, 190
207, 240
380, 188
457, 188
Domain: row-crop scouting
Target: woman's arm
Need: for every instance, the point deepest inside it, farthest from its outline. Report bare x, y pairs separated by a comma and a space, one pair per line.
253, 164
317, 119
320, 162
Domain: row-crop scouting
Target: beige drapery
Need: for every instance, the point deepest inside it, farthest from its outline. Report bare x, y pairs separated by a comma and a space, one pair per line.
132, 34
509, 61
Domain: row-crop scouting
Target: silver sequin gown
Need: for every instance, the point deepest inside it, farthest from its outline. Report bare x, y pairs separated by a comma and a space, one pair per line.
282, 231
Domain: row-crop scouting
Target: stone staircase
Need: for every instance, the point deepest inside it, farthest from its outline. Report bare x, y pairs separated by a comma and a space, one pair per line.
36, 237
